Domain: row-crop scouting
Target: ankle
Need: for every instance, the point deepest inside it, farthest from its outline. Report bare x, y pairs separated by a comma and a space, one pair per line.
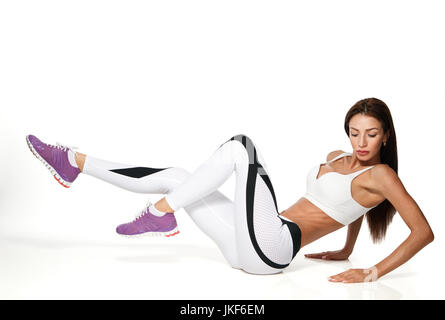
80, 160
163, 206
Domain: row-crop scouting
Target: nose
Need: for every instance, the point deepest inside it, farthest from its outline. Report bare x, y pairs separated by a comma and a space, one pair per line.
362, 141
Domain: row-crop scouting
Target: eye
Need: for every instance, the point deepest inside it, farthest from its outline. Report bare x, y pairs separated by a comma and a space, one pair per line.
372, 136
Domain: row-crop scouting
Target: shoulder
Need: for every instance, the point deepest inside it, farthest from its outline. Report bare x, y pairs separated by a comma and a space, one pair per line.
333, 154
382, 171
384, 178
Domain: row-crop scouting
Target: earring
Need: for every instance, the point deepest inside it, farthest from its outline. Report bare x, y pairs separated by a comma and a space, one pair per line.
384, 143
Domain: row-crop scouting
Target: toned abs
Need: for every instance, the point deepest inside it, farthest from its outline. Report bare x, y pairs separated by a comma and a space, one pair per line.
312, 222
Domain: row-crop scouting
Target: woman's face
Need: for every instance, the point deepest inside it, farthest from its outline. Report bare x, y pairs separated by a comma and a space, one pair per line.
366, 134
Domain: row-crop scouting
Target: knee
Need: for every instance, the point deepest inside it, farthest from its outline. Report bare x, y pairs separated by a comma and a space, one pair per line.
241, 137
244, 139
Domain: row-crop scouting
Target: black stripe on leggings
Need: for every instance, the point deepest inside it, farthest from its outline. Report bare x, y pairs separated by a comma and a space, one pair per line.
137, 172
250, 195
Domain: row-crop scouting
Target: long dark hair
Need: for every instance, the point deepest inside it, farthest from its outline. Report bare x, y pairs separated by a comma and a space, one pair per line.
381, 216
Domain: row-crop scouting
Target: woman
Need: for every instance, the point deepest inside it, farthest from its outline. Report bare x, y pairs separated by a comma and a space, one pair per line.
250, 232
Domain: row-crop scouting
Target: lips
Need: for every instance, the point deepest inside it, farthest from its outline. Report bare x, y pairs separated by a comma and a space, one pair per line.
362, 153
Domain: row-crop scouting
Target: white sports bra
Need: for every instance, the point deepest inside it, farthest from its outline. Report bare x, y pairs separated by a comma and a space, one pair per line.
331, 192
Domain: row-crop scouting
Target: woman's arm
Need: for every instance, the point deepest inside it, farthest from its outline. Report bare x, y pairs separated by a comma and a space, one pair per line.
391, 188
421, 234
353, 231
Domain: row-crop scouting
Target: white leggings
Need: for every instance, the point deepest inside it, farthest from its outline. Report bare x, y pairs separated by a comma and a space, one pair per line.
249, 231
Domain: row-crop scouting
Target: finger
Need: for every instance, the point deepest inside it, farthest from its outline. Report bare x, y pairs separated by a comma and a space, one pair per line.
350, 280
315, 255
341, 279
336, 278
351, 277
340, 276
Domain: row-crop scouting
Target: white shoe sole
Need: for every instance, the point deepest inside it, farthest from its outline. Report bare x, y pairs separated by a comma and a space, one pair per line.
59, 179
171, 233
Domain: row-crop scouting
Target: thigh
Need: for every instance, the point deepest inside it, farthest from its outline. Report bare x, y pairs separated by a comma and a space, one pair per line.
264, 243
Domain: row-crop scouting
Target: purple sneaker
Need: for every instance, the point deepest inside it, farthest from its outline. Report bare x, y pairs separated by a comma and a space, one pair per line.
55, 158
148, 224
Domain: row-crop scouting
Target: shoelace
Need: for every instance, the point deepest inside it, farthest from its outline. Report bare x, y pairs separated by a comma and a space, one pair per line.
144, 211
61, 146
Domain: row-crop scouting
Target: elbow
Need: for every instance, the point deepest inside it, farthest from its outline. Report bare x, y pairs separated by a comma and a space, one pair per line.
430, 236
424, 236
427, 236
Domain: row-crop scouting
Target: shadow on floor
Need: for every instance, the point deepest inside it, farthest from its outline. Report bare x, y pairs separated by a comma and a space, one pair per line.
152, 253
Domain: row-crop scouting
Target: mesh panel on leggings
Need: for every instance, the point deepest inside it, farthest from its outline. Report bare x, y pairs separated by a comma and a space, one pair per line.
272, 236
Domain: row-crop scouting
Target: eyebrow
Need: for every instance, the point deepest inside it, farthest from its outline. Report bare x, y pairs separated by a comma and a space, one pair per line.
366, 129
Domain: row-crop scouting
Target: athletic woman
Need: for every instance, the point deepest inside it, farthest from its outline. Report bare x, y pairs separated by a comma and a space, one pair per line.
250, 231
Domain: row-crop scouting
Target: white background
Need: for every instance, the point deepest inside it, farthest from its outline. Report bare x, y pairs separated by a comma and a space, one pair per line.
164, 83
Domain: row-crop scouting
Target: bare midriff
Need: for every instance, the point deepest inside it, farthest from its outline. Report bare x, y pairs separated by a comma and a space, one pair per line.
312, 222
